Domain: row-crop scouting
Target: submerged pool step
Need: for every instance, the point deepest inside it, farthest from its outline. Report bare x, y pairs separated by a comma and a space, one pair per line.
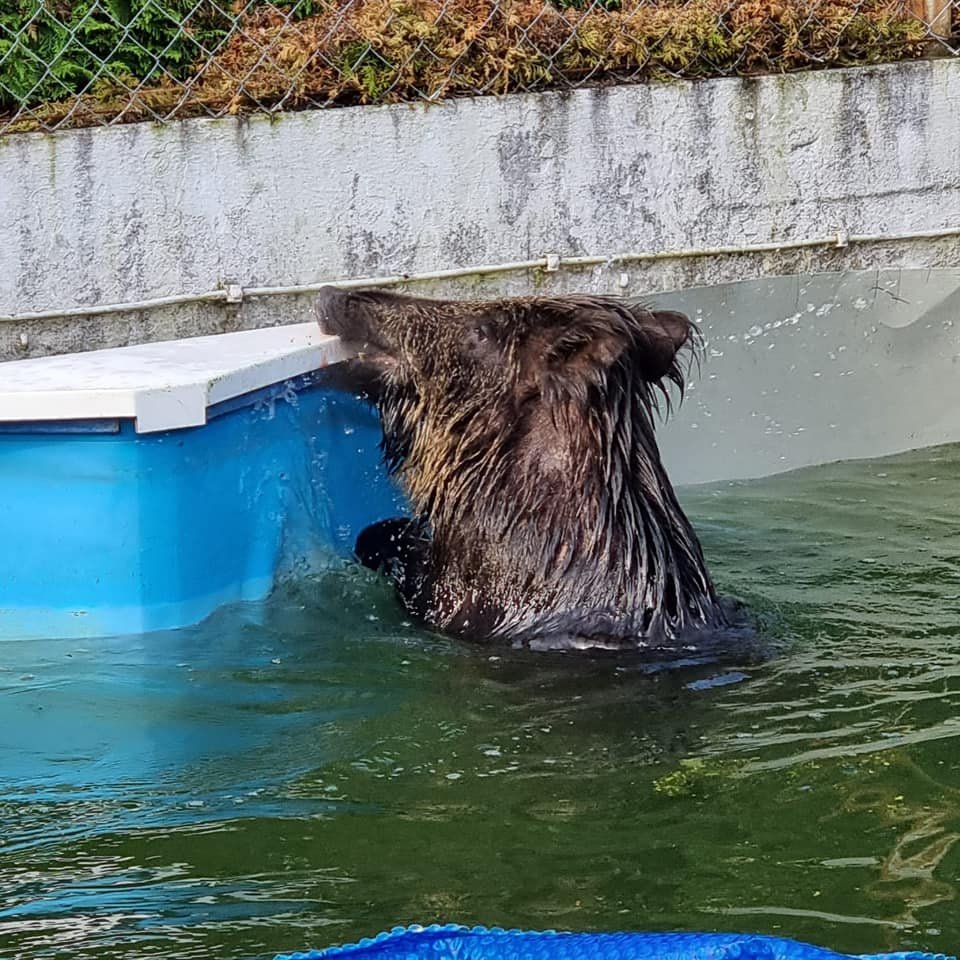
142, 487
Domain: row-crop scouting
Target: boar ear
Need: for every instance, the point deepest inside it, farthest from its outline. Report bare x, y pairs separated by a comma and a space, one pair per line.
572, 344
661, 334
589, 335
585, 336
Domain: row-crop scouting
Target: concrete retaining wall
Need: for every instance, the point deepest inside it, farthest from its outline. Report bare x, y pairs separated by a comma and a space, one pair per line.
121, 214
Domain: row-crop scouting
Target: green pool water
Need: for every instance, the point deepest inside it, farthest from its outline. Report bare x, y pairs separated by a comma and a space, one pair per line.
314, 769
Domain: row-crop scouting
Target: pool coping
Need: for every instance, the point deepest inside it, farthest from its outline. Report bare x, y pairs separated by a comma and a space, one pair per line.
161, 386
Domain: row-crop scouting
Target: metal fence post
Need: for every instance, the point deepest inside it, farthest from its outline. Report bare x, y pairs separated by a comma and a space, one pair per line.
936, 14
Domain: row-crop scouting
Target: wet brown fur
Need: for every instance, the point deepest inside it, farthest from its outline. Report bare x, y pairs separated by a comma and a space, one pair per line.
523, 433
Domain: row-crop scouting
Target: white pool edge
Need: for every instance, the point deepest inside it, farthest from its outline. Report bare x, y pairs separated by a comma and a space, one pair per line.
161, 386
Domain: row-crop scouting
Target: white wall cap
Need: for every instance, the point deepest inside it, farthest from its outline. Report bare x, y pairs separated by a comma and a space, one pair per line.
163, 386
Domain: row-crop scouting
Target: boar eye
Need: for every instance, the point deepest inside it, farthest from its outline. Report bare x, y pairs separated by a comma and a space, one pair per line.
479, 337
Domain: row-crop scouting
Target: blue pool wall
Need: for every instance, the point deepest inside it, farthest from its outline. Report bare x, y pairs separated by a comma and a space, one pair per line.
106, 531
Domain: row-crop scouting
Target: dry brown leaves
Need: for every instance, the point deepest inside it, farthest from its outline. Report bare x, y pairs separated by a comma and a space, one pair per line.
367, 51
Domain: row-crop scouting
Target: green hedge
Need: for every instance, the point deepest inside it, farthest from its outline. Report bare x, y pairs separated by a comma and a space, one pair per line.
73, 61
50, 51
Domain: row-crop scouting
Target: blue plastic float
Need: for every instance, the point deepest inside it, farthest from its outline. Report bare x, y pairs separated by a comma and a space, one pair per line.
454, 942
143, 487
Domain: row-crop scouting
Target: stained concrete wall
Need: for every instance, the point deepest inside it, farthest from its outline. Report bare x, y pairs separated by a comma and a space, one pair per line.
120, 214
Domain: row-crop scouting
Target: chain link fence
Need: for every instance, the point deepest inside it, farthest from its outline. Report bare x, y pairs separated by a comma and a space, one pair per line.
68, 63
